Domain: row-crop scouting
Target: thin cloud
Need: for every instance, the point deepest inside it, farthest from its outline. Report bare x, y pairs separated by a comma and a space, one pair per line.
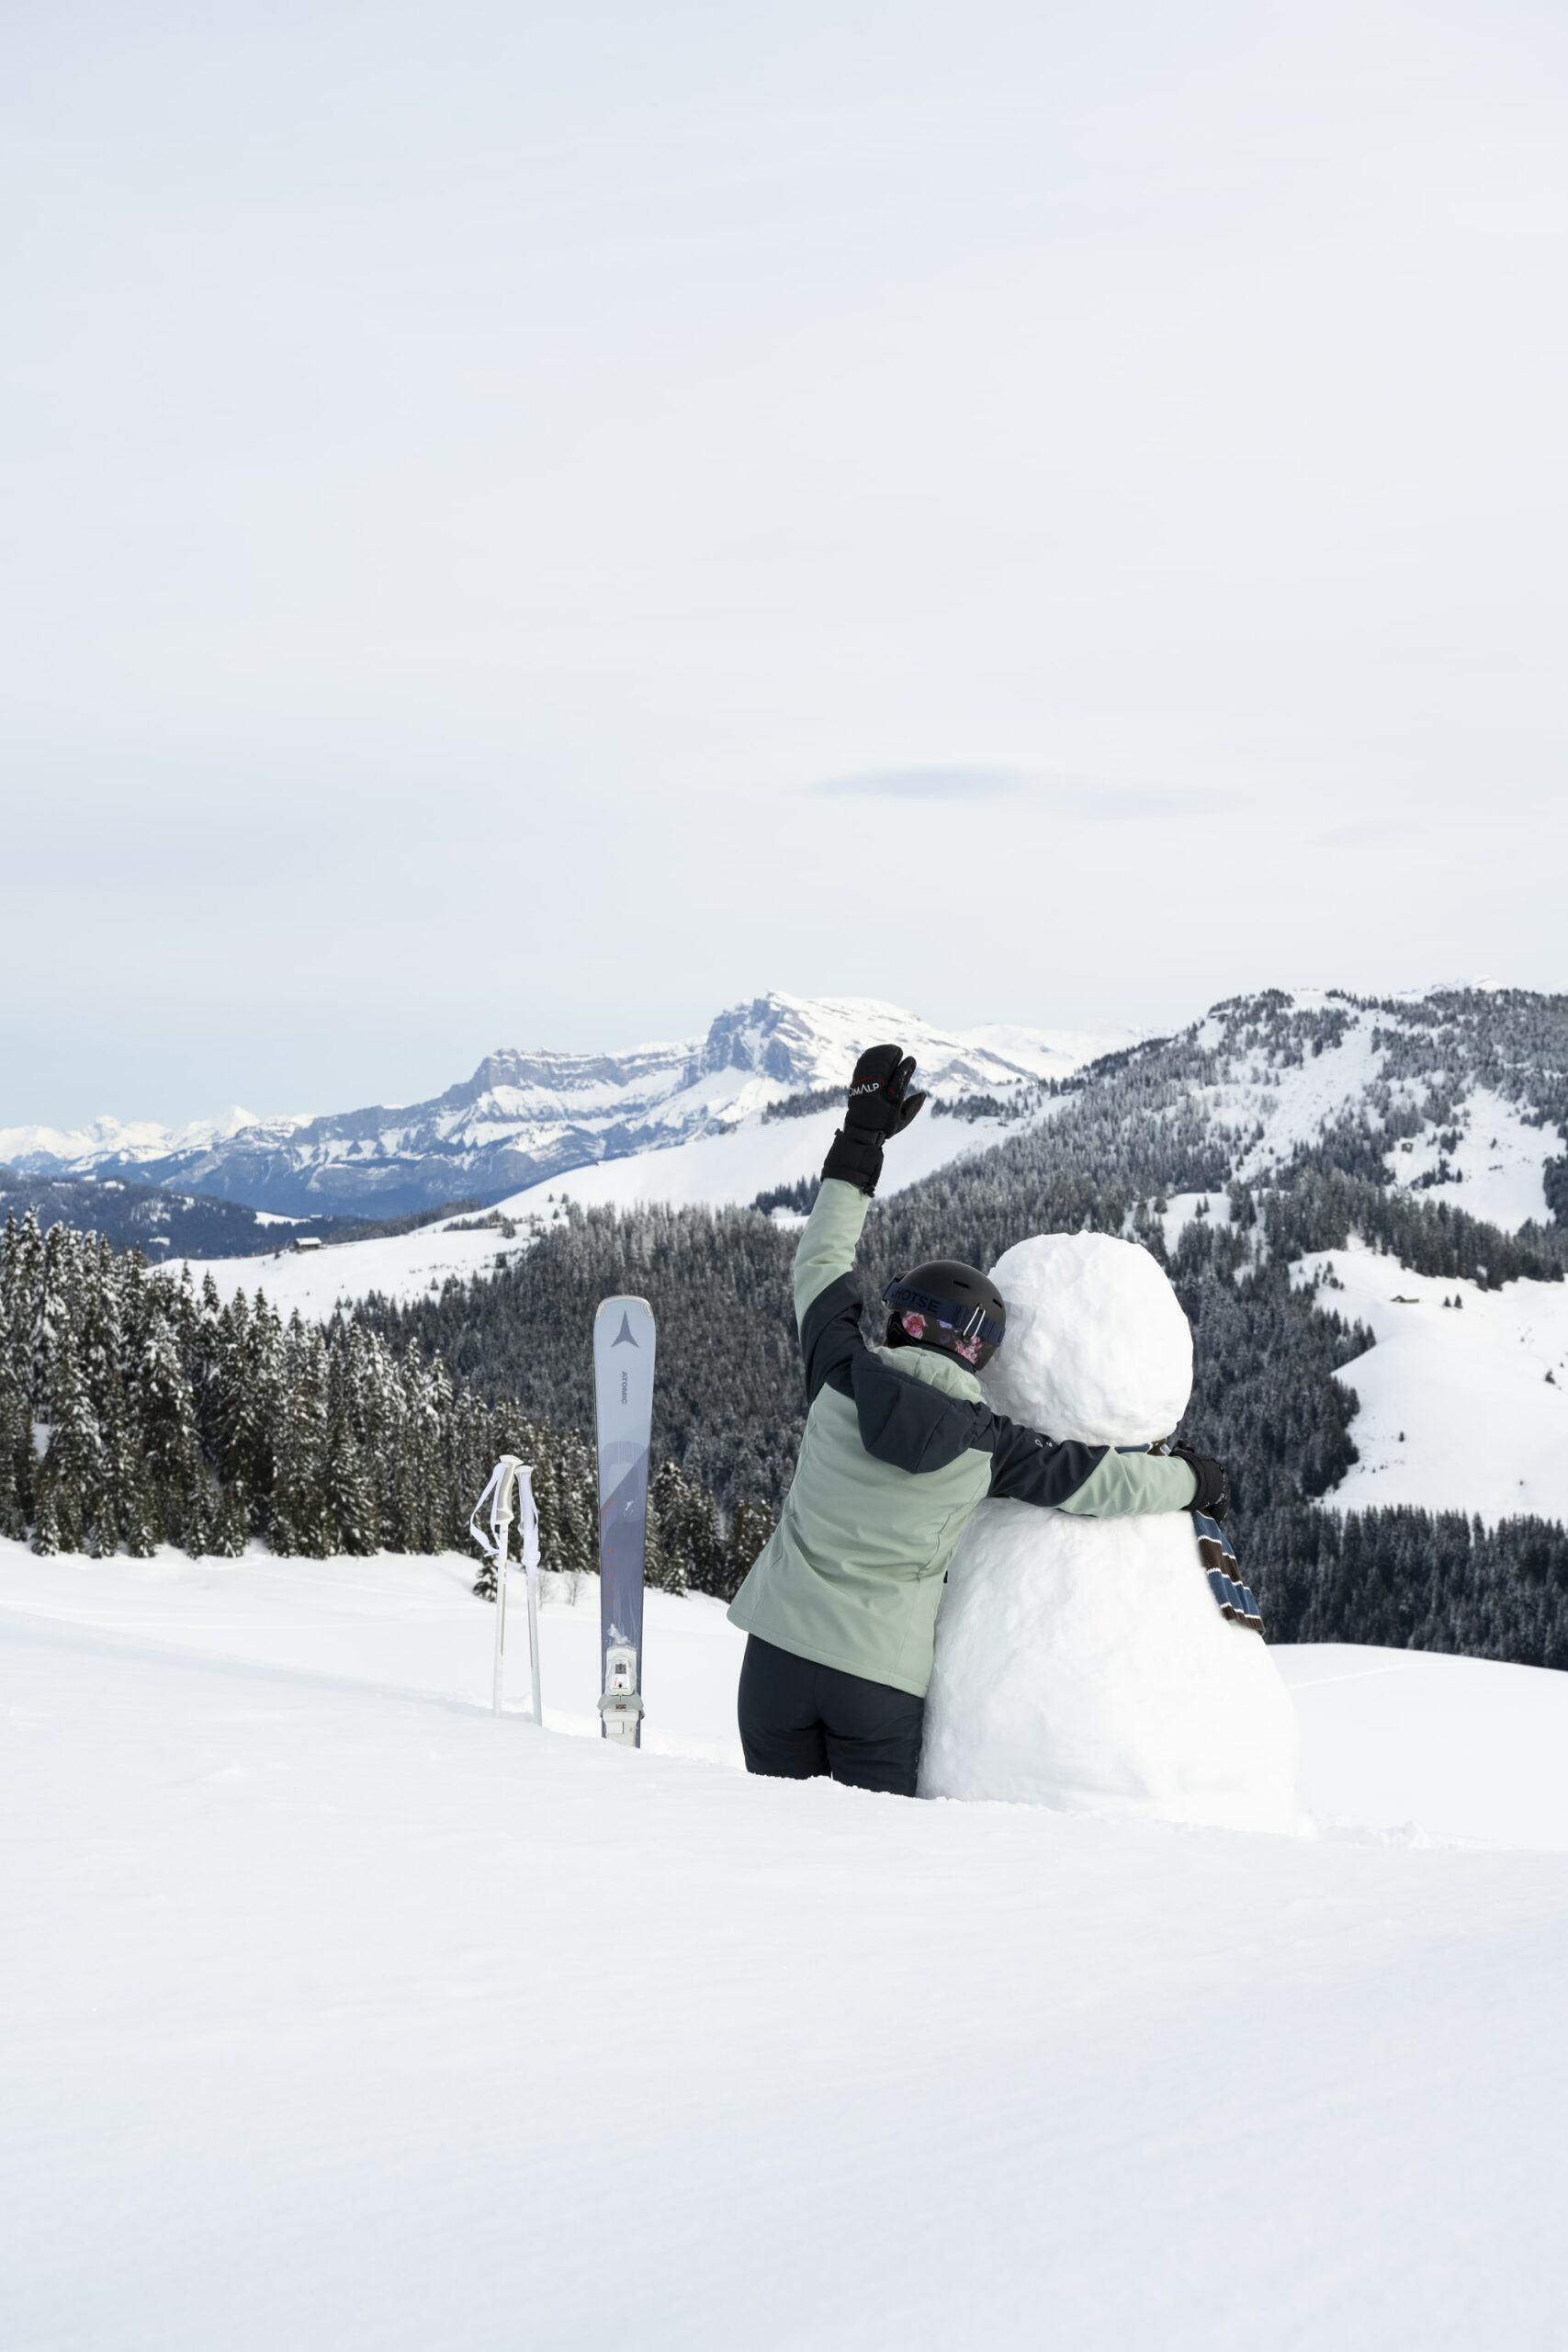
921, 784
1089, 798
1376, 829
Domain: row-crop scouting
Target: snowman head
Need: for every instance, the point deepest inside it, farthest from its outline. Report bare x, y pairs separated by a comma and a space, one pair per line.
1098, 1347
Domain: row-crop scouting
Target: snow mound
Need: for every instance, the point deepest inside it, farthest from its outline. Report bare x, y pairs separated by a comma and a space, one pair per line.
1098, 1347
1082, 1663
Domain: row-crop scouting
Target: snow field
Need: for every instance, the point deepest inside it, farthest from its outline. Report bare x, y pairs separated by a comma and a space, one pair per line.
1396, 1744
1496, 1171
399, 1623
1498, 1167
1296, 1104
1457, 1412
351, 2017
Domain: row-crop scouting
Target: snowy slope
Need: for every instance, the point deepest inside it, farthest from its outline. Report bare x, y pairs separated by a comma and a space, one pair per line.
717, 1170
1461, 1408
343, 2016
1276, 1097
525, 1116
1446, 1750
1497, 1163
401, 1265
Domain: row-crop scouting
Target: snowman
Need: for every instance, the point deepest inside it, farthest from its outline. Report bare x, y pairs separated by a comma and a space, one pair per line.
1082, 1663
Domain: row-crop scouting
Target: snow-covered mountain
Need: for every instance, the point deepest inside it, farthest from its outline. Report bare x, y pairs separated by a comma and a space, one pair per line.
1462, 1091
525, 1116
1458, 1094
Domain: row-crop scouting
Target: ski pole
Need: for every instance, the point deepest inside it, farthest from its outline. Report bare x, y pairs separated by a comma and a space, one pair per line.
511, 1477
528, 1532
501, 1520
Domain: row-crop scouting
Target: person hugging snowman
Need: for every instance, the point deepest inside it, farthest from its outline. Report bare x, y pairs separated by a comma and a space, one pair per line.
900, 1449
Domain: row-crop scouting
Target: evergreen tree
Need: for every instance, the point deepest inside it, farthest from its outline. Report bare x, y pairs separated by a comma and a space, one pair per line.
74, 1464
350, 1509
16, 1437
141, 1533
689, 1529
173, 1476
749, 1528
230, 1522
300, 1518
663, 1567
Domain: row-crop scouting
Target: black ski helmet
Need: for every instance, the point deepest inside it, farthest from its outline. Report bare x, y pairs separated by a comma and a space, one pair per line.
954, 1308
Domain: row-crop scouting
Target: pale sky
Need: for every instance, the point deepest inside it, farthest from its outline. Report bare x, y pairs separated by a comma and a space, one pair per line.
527, 524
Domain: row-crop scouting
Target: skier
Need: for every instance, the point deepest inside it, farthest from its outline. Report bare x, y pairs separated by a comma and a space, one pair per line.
899, 1448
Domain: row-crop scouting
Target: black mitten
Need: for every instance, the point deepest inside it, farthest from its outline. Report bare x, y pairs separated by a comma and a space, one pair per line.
1214, 1495
879, 1105
880, 1101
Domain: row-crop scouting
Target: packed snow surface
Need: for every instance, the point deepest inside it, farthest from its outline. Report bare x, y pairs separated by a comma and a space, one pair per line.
1462, 1407
342, 2015
1082, 1662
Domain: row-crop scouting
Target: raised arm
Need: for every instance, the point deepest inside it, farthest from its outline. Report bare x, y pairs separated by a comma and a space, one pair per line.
827, 1250
826, 1305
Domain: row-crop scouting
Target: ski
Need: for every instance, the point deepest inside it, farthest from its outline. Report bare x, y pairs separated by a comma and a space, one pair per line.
623, 1397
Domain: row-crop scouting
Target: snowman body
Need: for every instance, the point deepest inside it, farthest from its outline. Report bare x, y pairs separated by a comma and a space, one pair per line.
1082, 1663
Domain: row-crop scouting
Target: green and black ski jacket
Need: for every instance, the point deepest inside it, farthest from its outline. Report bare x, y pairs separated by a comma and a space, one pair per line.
899, 1448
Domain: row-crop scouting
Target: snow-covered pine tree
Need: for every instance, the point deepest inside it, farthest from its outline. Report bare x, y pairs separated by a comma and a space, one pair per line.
51, 1285
101, 1345
72, 1474
230, 1522
572, 1486
46, 1524
170, 1417
350, 1505
173, 1472
141, 1529
16, 1479
689, 1526
300, 1520
750, 1525
262, 1408
18, 1462
663, 1567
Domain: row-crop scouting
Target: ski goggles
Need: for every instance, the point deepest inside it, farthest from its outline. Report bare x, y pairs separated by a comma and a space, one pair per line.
961, 1332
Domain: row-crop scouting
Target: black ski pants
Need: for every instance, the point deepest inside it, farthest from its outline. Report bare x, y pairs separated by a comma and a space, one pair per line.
799, 1721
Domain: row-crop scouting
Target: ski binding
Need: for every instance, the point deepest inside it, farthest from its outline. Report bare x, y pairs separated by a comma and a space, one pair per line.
620, 1708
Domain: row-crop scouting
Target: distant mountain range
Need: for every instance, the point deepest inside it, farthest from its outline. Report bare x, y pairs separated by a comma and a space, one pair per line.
1460, 1092
523, 1116
1386, 1158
